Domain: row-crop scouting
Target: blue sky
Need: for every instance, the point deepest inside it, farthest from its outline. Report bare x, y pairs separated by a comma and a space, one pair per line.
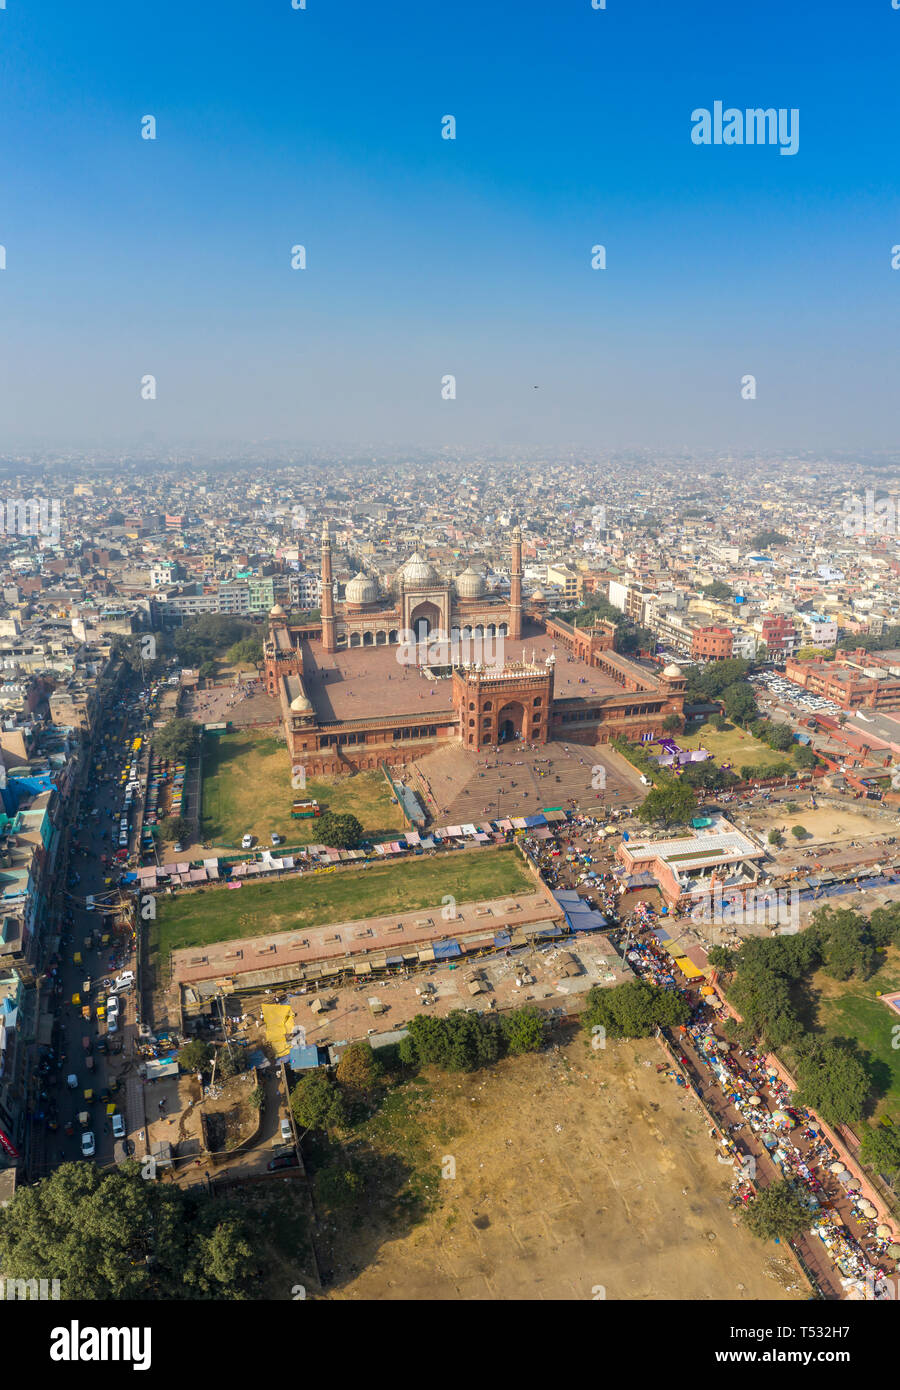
429, 257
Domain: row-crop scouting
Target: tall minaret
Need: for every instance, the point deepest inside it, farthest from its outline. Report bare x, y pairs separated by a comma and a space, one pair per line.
515, 587
328, 637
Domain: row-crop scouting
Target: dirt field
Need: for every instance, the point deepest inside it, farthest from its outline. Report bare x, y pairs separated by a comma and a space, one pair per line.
579, 1175
826, 825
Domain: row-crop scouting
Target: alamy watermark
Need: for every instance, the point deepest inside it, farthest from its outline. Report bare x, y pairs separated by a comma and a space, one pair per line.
728, 125
870, 515
31, 517
458, 649
758, 907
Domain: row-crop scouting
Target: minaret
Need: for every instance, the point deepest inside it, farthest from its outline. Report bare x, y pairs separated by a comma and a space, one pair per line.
328, 637
515, 587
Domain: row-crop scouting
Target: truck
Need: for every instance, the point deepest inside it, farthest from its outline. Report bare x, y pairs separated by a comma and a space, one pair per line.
305, 810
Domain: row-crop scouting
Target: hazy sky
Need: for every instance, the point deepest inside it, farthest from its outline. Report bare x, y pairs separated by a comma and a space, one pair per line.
428, 257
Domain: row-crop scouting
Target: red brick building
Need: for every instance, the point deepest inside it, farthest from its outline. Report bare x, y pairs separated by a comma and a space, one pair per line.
712, 643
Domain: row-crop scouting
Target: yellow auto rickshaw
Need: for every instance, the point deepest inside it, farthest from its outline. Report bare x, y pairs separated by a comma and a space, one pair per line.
76, 998
86, 1012
76, 959
89, 1095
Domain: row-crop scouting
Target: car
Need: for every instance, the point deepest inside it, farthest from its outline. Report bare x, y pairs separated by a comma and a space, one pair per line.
112, 1023
246, 842
88, 1147
118, 1126
124, 979
286, 1135
276, 839
178, 847
123, 841
283, 1161
112, 1007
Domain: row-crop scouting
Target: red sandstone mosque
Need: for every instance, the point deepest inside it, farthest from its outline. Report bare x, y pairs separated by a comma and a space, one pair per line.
351, 698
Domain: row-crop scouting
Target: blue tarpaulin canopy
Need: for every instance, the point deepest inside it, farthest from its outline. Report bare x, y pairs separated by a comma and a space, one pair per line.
445, 950
303, 1058
502, 939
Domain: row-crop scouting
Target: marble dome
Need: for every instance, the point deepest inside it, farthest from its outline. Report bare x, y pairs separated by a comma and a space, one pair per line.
469, 584
418, 571
361, 589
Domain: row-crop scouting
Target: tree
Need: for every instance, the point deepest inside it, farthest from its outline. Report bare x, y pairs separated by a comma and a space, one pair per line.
358, 1069
232, 1061
831, 1079
791, 808
247, 652
114, 1235
740, 702
778, 1212
775, 837
717, 590
339, 830
177, 739
721, 958
846, 943
338, 1188
195, 1056
672, 804
176, 828
317, 1103
779, 736
634, 1009
767, 539
804, 757
798, 832
719, 722
884, 924
880, 1148
524, 1030
673, 723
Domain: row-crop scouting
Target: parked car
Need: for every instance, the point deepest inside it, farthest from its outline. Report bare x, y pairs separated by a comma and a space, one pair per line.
283, 1161
247, 842
124, 979
112, 1007
286, 1135
276, 839
118, 1126
112, 1024
88, 1147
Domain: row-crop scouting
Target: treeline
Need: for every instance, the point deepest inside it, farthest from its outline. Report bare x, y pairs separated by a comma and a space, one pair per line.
770, 990
200, 640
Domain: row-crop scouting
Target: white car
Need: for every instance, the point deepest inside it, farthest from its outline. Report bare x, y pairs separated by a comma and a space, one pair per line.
112, 1023
247, 842
118, 1126
88, 1147
112, 1007
124, 979
286, 1136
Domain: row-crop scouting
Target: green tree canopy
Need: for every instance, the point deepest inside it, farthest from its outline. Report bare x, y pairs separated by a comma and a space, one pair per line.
177, 739
831, 1079
358, 1069
340, 830
195, 1056
778, 1211
317, 1103
524, 1030
176, 828
116, 1235
880, 1148
740, 702
634, 1009
672, 804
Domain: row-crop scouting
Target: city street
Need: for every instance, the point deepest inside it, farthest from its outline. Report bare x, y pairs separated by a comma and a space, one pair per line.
114, 1063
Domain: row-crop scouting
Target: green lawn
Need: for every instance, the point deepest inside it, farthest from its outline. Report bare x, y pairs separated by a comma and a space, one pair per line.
851, 1009
247, 790
733, 745
222, 914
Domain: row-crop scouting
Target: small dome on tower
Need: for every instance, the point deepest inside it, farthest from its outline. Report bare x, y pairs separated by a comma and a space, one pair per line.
538, 596
277, 612
301, 704
672, 671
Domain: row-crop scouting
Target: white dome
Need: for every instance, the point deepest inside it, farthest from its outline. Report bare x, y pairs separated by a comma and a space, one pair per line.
418, 571
361, 589
277, 612
470, 584
301, 704
538, 596
672, 670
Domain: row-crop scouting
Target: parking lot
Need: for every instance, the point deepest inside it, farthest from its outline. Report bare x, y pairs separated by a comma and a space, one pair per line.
794, 695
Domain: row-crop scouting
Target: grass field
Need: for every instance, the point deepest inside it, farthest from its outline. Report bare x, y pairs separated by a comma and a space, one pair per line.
314, 900
850, 1009
735, 746
247, 790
